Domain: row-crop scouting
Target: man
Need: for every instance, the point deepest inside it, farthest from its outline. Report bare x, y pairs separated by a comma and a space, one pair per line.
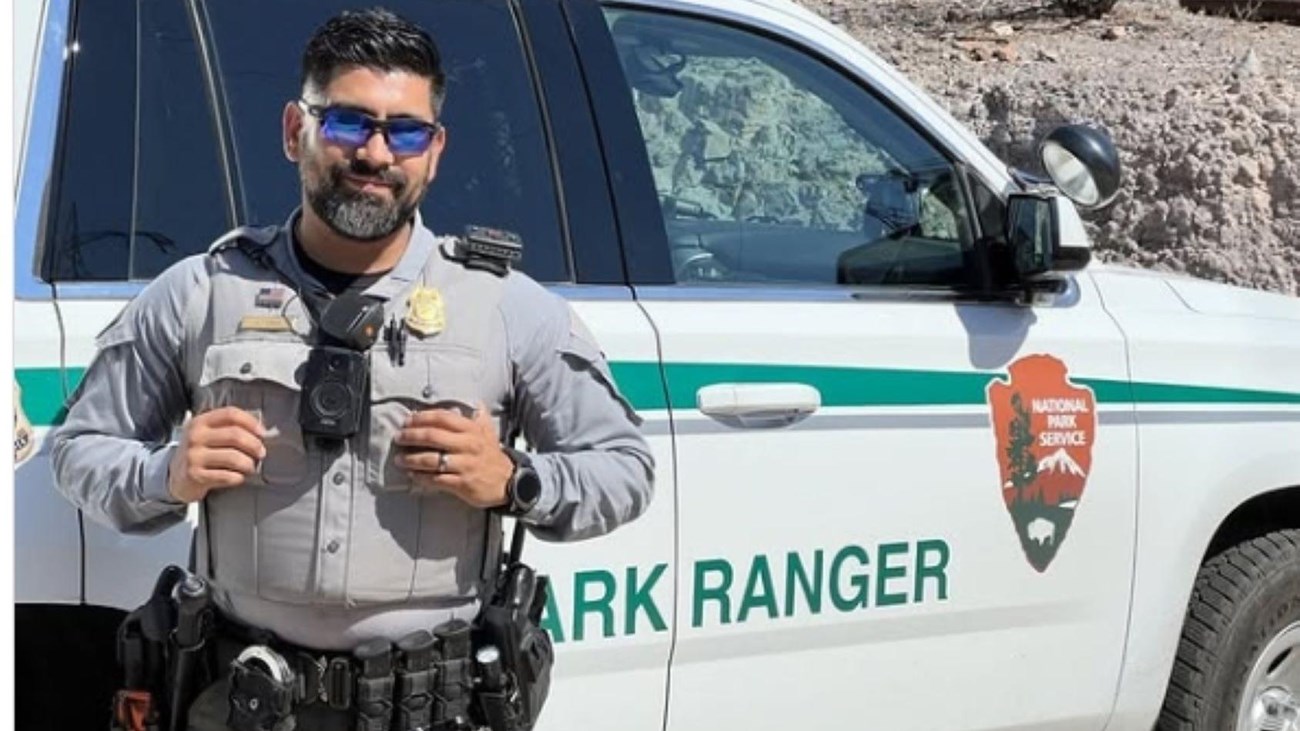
328, 541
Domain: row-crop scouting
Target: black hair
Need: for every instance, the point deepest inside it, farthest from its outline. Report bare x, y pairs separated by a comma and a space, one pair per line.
375, 38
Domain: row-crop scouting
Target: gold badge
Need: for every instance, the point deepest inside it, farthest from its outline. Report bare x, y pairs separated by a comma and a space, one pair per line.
265, 323
425, 314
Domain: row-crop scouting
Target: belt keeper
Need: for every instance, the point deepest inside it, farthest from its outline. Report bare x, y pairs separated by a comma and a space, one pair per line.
338, 683
311, 678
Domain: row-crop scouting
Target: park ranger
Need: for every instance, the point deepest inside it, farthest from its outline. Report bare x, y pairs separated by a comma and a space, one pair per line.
351, 379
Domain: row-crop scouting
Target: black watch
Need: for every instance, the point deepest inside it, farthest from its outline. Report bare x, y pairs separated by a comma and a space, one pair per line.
524, 486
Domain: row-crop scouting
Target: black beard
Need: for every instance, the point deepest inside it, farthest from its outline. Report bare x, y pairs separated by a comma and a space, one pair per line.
357, 215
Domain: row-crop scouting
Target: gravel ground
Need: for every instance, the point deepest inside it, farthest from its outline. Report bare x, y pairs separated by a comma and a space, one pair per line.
1205, 111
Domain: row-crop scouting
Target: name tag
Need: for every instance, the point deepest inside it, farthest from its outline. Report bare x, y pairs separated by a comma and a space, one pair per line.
265, 323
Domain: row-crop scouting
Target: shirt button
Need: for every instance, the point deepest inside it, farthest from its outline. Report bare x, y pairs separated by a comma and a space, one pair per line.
333, 546
427, 392
339, 477
246, 368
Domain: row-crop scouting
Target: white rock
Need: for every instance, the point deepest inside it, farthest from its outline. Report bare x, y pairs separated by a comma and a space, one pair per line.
1247, 66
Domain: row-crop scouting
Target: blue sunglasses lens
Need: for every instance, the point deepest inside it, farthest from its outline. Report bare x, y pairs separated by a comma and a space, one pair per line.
407, 138
345, 127
354, 129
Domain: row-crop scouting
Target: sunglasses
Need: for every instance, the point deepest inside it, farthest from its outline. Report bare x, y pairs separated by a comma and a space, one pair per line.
348, 127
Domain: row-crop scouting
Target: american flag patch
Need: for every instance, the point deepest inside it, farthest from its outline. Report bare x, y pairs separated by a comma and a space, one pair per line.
270, 297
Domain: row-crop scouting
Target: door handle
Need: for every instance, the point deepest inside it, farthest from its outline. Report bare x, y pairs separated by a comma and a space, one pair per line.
758, 405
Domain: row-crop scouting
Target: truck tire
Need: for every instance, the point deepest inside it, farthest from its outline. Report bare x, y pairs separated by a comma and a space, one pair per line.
1238, 663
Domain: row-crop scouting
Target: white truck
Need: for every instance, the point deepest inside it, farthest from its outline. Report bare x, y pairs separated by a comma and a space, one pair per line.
922, 465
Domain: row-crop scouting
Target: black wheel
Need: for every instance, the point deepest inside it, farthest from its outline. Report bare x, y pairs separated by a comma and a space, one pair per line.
1238, 664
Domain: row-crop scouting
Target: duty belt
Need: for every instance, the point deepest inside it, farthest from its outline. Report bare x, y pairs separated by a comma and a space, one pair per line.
495, 672
424, 681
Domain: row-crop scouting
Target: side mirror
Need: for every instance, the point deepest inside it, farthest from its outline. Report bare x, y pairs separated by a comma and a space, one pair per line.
1045, 236
1083, 163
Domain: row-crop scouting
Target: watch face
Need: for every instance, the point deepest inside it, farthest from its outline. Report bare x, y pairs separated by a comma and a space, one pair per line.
528, 487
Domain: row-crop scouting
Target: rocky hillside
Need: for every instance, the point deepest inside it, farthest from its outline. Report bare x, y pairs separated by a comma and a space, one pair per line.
1205, 110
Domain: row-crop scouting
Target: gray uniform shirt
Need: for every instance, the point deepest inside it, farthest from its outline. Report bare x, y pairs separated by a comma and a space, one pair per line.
328, 546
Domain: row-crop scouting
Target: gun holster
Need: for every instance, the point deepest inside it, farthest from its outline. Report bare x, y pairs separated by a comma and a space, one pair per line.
161, 650
510, 621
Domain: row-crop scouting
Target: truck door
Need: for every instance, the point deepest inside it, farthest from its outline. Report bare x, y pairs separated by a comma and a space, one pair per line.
45, 521
133, 181
899, 503
115, 183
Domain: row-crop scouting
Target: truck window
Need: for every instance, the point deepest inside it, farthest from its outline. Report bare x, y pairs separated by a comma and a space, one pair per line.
137, 181
496, 169
774, 167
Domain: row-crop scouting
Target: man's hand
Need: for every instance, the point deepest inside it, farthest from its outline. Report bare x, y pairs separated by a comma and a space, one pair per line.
450, 452
219, 449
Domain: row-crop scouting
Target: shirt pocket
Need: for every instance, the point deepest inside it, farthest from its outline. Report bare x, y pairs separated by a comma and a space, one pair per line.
443, 376
266, 529
263, 378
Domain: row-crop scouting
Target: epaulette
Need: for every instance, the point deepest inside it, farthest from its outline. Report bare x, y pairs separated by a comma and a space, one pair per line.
257, 235
487, 249
252, 240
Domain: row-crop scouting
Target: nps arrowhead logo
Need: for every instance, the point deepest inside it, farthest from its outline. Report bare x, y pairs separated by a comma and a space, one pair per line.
1045, 426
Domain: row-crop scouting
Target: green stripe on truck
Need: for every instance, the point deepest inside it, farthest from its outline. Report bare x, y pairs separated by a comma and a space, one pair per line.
640, 382
43, 393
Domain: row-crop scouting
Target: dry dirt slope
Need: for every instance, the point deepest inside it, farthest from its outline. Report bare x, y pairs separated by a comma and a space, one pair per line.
1205, 110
